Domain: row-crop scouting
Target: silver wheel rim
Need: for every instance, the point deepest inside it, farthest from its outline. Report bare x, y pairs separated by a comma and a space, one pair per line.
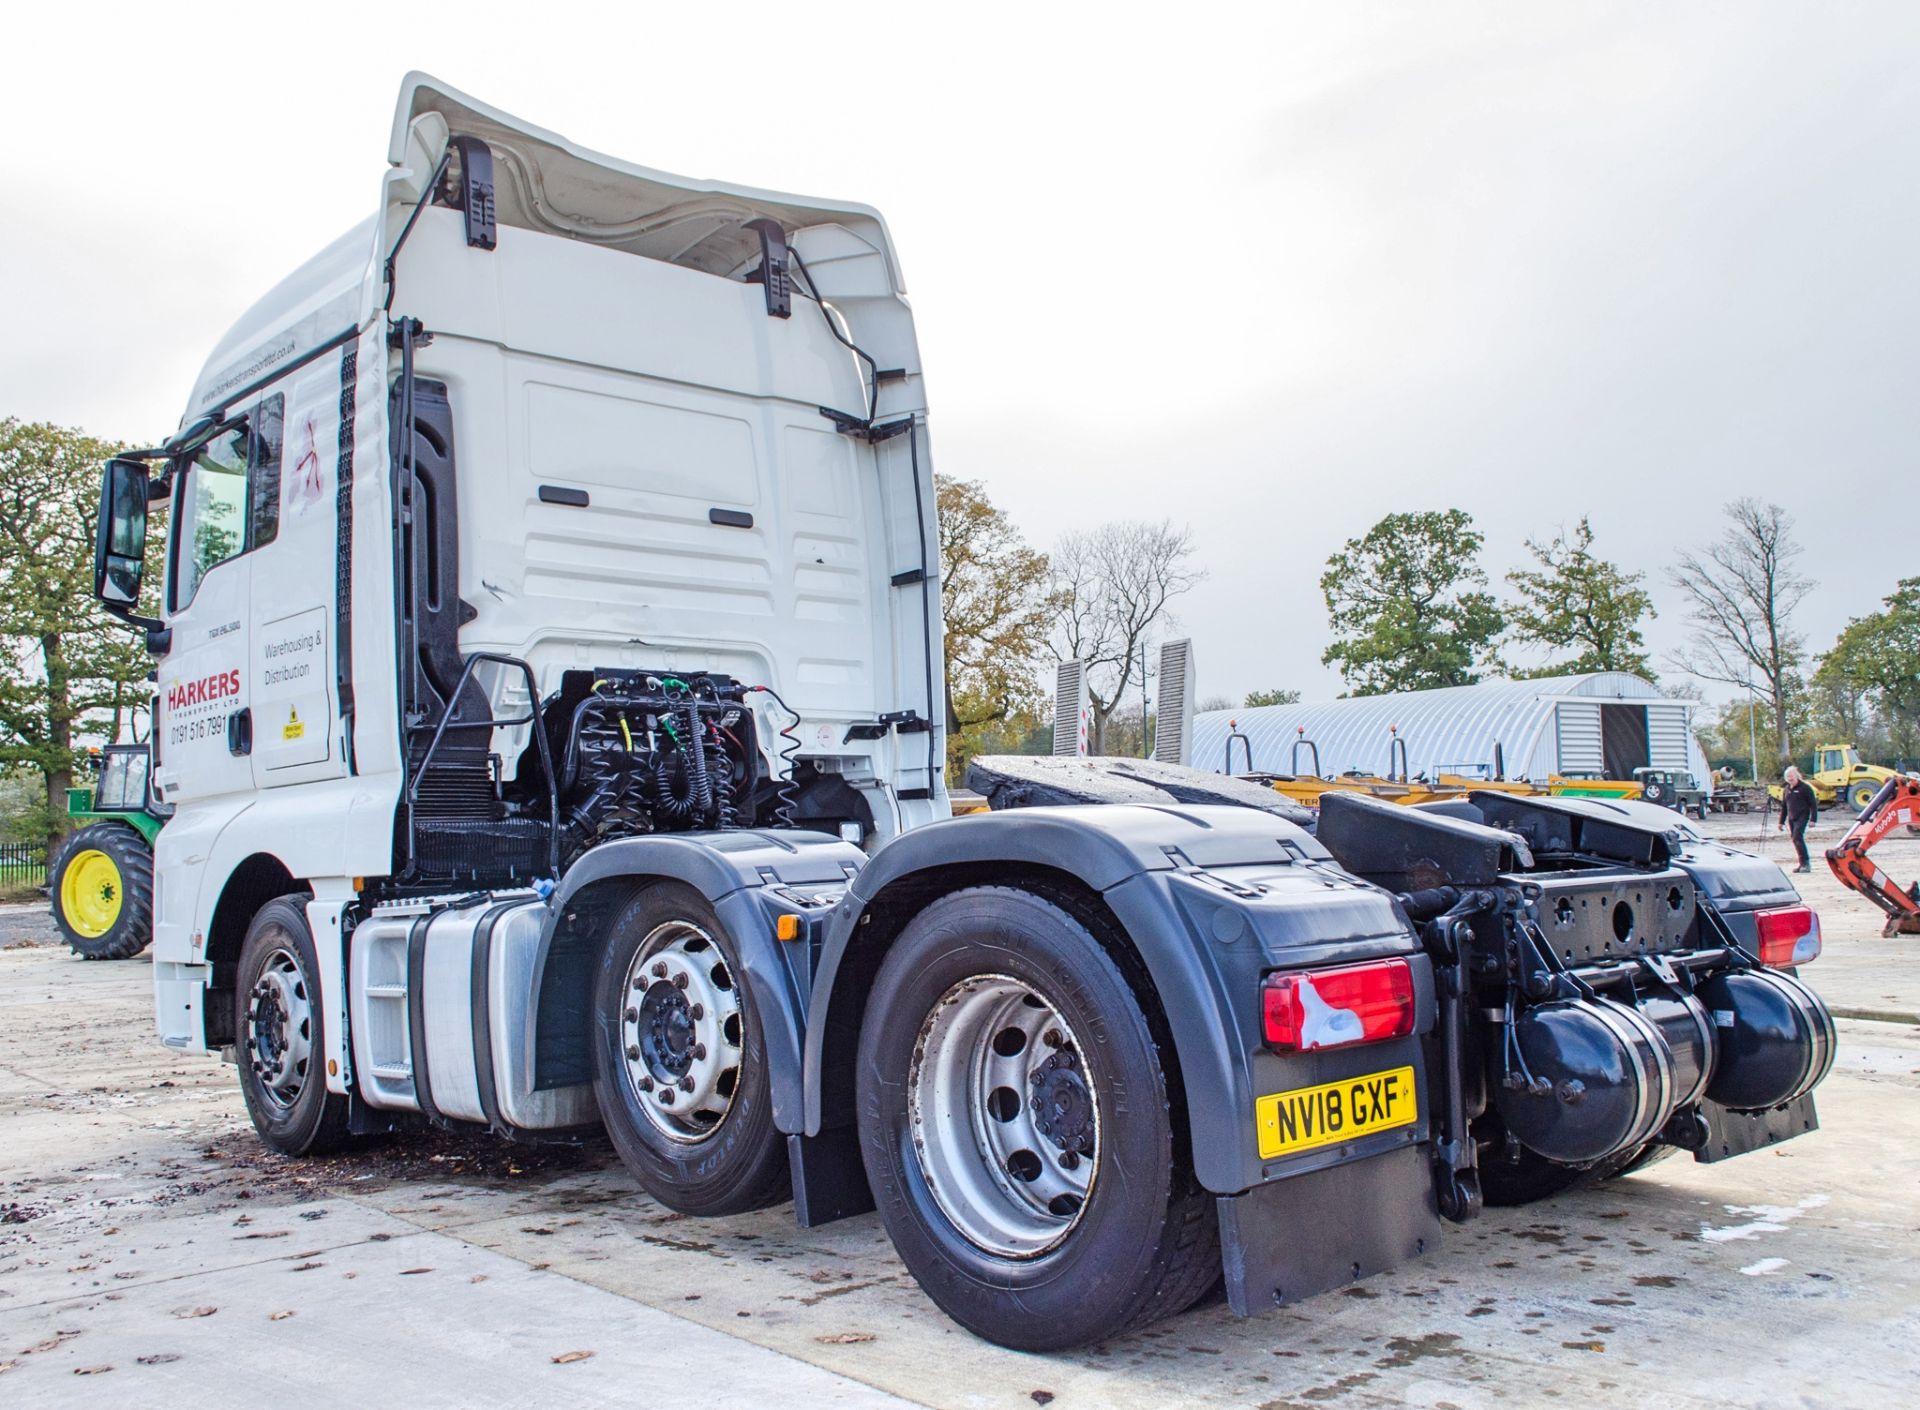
279, 1034
1004, 1120
682, 1032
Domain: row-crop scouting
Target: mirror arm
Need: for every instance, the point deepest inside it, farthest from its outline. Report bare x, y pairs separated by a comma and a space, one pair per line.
159, 635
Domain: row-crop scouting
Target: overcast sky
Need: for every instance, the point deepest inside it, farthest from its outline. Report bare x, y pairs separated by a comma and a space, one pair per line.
1271, 270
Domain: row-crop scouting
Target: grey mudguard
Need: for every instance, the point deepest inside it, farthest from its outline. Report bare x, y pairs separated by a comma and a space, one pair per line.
748, 877
1213, 898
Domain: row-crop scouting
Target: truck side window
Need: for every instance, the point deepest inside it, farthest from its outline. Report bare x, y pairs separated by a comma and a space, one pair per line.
230, 499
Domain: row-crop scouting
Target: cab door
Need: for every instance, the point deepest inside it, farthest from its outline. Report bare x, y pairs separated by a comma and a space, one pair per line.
222, 509
292, 619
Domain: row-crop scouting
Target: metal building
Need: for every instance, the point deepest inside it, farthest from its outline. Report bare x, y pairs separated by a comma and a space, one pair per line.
1606, 724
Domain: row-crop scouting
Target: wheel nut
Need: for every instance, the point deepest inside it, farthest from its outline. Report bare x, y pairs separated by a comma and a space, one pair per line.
1052, 1038
686, 1084
697, 1012
679, 981
633, 1052
660, 969
1069, 1161
644, 1082
633, 1015
699, 1051
666, 1096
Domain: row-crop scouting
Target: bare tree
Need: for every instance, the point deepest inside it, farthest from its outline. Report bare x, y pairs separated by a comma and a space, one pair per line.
1113, 586
1741, 593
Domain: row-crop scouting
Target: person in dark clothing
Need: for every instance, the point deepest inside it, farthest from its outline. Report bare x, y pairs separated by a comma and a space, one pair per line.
1798, 807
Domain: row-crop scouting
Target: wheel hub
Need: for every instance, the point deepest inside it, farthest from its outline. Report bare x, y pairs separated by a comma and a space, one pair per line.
1062, 1105
1003, 1117
681, 1031
668, 1031
279, 1032
90, 893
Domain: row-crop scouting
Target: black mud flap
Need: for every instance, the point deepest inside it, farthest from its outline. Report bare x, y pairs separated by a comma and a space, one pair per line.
1296, 1238
829, 1181
1731, 1133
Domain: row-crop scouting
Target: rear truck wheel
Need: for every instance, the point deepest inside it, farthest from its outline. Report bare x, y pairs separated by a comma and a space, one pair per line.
282, 1024
680, 1066
1018, 1128
1862, 792
101, 882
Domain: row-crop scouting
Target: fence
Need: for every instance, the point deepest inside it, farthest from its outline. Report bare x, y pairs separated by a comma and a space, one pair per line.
22, 864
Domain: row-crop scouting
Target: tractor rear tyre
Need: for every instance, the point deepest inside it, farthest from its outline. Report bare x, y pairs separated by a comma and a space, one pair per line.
1862, 792
101, 881
1019, 1122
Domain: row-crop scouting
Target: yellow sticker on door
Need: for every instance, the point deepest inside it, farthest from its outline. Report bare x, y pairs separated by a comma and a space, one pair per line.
293, 729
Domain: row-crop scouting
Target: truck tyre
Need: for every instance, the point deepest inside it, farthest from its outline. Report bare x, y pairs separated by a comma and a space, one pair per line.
101, 882
282, 1025
1034, 1208
680, 1065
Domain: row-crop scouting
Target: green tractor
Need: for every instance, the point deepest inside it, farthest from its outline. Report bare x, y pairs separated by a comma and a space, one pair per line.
100, 876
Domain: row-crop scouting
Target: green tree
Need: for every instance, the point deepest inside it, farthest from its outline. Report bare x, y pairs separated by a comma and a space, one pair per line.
1576, 601
996, 612
1875, 662
67, 670
1407, 605
1257, 698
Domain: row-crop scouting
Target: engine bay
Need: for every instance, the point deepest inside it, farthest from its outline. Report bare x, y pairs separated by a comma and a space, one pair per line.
637, 752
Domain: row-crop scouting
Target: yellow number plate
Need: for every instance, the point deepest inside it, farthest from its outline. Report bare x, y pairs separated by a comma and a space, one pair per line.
1309, 1117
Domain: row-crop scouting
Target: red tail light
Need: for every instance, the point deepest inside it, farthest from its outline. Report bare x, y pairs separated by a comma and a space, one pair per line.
1313, 1009
1789, 936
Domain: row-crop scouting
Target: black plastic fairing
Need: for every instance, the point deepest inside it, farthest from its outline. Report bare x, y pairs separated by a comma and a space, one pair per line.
1410, 849
1101, 845
1577, 826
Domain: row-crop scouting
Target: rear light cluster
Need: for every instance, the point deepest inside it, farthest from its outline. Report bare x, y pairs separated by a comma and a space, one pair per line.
1311, 1010
1790, 936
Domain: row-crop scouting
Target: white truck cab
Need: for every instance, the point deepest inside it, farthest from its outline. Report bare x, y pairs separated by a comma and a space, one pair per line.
628, 454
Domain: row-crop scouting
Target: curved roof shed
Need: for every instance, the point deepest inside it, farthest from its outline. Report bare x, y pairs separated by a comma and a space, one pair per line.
1606, 724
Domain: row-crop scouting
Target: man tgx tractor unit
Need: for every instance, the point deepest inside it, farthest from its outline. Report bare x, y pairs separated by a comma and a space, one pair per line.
549, 700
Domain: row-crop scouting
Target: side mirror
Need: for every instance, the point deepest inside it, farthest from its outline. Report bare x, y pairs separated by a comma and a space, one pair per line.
120, 542
120, 545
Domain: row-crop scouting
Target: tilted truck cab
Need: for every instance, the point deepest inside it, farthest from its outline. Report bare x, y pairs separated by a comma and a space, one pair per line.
550, 704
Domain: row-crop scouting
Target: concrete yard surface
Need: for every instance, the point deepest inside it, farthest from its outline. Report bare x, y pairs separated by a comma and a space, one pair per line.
152, 1253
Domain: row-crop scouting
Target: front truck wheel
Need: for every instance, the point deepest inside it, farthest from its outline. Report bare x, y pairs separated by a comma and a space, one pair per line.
680, 1065
282, 1024
101, 881
1018, 1128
